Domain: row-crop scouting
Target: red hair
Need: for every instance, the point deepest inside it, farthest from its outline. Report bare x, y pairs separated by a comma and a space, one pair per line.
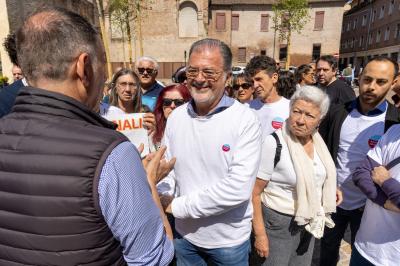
161, 121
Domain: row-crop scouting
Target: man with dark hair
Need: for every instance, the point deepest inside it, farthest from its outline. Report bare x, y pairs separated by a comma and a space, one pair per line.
338, 91
9, 93
73, 190
350, 130
271, 108
216, 141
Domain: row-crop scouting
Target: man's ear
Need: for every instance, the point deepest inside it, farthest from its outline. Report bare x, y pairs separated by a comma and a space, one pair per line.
84, 69
274, 78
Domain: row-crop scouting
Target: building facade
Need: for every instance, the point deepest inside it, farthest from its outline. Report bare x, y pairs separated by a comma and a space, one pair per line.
169, 27
247, 26
371, 28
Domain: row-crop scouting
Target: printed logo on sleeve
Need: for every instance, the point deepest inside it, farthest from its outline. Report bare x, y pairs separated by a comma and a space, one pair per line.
226, 147
277, 122
373, 140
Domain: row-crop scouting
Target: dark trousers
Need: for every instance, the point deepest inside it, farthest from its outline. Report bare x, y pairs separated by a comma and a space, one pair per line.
330, 243
358, 260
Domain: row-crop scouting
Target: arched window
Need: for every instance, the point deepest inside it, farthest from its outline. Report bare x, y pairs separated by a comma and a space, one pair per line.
188, 25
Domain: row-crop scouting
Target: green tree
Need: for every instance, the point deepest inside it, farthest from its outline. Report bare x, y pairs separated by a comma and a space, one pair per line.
100, 10
289, 16
121, 15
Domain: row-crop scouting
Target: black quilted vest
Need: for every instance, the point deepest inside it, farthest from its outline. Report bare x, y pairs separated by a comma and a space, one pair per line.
52, 149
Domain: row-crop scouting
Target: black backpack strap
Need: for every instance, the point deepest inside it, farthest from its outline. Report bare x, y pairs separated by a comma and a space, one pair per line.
393, 163
278, 149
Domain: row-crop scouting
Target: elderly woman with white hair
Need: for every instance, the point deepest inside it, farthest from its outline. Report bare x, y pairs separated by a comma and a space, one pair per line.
295, 189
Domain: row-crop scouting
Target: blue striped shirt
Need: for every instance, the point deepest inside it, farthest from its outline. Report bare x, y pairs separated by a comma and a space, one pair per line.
129, 210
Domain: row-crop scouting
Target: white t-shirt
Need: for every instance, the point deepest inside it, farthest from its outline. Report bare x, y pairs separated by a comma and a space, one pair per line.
271, 115
378, 239
359, 133
280, 193
106, 110
217, 159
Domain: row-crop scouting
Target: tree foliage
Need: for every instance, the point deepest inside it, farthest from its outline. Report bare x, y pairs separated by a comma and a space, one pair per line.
290, 16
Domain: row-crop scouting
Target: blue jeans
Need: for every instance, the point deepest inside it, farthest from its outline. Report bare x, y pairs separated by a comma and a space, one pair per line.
357, 259
188, 254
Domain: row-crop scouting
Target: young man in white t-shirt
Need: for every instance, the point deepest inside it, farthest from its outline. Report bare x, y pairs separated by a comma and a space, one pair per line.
271, 108
350, 131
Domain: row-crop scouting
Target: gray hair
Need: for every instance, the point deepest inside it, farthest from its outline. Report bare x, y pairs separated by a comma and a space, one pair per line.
314, 95
212, 44
147, 58
49, 41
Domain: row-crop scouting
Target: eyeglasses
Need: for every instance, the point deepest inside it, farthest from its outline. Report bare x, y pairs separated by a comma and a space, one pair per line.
245, 86
149, 71
209, 74
126, 84
178, 102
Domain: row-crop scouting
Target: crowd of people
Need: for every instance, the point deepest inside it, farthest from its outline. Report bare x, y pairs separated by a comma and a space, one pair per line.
263, 163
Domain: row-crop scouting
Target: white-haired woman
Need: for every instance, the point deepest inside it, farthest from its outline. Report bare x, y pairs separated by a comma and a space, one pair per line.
295, 191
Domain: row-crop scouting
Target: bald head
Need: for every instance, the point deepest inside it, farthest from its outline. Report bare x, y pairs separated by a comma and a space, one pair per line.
49, 40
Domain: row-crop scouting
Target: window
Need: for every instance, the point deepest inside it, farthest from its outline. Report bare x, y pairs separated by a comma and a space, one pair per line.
361, 41
387, 34
382, 13
364, 20
373, 15
316, 51
263, 52
391, 7
319, 20
242, 55
378, 36
352, 43
370, 39
397, 31
264, 22
220, 21
188, 23
348, 26
394, 56
235, 22
355, 24
283, 53
345, 44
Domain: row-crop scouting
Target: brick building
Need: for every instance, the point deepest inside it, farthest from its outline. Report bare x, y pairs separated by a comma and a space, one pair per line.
169, 27
370, 28
247, 26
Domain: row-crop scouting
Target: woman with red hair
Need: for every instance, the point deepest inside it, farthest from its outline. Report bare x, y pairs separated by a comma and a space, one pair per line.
170, 98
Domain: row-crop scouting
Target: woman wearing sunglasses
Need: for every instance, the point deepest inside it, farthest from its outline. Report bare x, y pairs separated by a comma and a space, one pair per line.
126, 98
243, 88
170, 98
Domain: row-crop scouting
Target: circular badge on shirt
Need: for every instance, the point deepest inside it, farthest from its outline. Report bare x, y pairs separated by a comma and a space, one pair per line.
277, 122
373, 140
226, 147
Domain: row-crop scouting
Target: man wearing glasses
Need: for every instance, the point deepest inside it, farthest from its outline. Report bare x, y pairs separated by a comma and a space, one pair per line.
147, 70
217, 144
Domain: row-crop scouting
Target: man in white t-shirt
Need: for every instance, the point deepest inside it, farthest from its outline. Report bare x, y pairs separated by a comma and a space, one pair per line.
271, 108
378, 239
350, 131
217, 144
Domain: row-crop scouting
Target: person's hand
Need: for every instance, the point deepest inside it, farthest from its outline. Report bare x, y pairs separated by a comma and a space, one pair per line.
390, 206
339, 196
149, 122
261, 244
156, 166
380, 175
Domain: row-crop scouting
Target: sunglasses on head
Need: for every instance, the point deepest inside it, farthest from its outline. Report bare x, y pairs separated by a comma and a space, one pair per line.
149, 71
245, 86
177, 102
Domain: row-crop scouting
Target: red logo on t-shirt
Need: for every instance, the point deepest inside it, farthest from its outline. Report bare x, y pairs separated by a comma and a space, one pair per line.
226, 147
277, 122
373, 140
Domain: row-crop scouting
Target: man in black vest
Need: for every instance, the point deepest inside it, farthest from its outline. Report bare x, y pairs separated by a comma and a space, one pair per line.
73, 190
